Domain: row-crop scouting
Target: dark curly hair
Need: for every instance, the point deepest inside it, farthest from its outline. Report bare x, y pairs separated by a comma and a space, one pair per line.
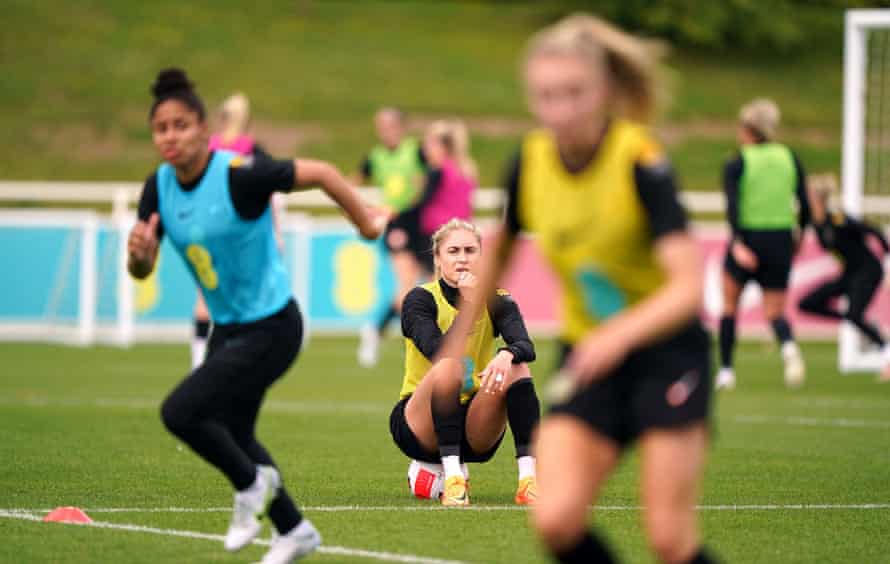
173, 84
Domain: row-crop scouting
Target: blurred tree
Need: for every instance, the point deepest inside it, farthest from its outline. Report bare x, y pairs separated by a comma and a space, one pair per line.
719, 25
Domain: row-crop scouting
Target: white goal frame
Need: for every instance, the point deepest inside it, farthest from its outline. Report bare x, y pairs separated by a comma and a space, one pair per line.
856, 27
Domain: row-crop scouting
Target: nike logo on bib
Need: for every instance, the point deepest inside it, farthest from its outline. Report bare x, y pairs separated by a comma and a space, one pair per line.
679, 392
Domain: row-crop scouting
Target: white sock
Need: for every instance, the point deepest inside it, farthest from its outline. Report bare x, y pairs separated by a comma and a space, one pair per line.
303, 528
199, 351
789, 349
526, 466
452, 466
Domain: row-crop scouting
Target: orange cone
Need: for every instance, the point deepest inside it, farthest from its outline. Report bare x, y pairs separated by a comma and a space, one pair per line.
67, 515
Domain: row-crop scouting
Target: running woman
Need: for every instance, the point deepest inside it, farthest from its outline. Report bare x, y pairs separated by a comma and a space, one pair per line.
862, 272
600, 197
763, 183
495, 387
398, 166
214, 207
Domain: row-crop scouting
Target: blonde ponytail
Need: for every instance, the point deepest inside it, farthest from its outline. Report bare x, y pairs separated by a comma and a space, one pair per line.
455, 136
236, 109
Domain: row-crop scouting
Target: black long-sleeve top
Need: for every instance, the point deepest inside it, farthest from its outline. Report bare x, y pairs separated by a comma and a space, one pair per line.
847, 237
419, 313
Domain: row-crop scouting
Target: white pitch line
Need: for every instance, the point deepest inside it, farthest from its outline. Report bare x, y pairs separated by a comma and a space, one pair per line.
436, 507
812, 421
843, 403
339, 550
278, 406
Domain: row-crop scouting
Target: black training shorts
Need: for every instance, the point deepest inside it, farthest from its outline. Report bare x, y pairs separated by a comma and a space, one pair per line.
407, 442
403, 234
664, 385
774, 250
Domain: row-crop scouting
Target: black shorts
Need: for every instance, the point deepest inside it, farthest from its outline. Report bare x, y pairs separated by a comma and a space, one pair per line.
664, 385
404, 438
243, 360
774, 250
403, 234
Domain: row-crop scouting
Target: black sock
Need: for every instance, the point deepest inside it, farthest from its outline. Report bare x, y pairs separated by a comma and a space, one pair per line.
701, 557
727, 340
449, 422
284, 513
388, 316
202, 328
523, 413
782, 330
589, 550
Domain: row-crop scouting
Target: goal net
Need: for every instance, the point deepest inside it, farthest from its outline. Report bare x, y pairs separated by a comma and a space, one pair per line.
866, 148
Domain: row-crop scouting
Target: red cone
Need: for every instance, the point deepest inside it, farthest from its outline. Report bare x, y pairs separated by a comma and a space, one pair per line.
67, 515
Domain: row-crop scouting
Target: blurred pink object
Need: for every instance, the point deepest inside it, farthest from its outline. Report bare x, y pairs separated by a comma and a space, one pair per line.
243, 144
452, 199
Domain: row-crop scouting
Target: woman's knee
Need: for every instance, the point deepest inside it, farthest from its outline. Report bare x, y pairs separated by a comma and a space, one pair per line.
672, 533
174, 415
558, 525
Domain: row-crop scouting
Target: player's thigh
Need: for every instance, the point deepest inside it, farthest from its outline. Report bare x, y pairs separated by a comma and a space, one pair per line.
573, 462
419, 411
823, 293
774, 302
406, 268
862, 289
672, 462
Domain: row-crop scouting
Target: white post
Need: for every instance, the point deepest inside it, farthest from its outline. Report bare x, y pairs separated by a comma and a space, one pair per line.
854, 115
124, 333
856, 26
86, 314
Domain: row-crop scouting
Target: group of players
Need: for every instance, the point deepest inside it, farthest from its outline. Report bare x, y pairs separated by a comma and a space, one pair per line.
601, 198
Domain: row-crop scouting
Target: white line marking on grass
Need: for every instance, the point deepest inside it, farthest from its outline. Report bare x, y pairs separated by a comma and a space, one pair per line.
340, 550
812, 421
843, 403
277, 406
436, 507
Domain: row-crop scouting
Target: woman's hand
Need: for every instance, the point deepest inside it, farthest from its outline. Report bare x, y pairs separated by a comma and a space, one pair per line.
598, 354
496, 374
467, 285
376, 225
142, 246
744, 256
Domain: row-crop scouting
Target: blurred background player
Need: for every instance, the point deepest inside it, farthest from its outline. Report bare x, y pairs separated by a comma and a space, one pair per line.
600, 197
234, 136
398, 166
214, 207
861, 272
452, 178
762, 185
495, 386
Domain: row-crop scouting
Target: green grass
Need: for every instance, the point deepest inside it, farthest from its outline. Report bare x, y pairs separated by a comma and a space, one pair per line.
80, 427
75, 91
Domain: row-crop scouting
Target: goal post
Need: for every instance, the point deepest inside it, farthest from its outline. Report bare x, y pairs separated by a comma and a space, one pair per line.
866, 146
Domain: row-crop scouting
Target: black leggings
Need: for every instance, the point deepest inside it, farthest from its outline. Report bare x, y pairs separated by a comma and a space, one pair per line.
859, 287
214, 410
